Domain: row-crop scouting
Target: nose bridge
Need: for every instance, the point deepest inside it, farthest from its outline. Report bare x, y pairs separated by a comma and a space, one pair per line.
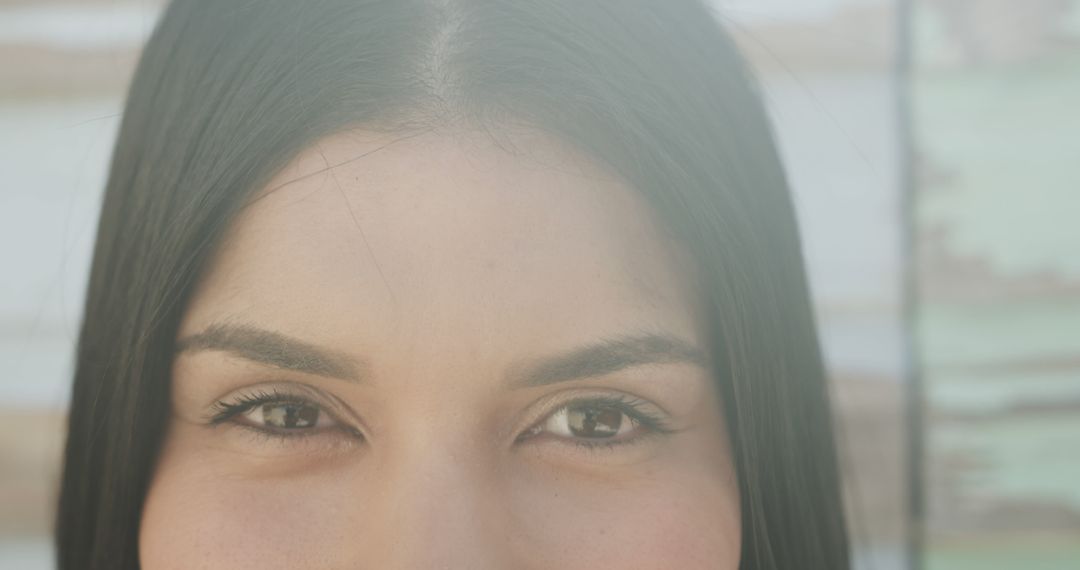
440, 505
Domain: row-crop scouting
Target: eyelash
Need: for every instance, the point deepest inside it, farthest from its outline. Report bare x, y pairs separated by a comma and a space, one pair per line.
633, 408
225, 411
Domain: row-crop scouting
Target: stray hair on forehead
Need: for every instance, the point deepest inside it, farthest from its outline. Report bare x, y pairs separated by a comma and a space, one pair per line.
227, 92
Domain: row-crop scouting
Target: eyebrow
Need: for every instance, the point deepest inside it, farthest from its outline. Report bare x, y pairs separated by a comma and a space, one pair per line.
274, 349
608, 356
604, 357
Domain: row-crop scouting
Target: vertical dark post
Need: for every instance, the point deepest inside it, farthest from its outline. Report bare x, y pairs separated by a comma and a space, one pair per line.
914, 394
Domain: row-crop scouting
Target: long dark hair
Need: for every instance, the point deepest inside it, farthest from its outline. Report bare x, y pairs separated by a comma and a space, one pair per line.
227, 91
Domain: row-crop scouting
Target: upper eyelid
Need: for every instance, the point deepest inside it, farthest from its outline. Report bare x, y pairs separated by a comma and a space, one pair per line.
630, 408
551, 403
326, 402
559, 399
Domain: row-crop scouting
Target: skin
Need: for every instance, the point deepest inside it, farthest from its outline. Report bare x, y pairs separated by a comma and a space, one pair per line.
412, 294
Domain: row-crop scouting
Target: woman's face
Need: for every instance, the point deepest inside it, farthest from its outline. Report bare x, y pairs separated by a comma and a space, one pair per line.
444, 353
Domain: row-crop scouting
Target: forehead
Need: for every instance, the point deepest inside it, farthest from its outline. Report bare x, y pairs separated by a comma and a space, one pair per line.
446, 237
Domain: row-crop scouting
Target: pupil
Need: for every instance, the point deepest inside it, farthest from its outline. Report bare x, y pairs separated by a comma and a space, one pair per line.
595, 422
288, 416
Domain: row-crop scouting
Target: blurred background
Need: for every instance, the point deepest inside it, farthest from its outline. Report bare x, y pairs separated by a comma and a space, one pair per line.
933, 150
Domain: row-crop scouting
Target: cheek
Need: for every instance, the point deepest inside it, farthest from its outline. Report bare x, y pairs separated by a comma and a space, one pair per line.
690, 535
659, 522
212, 509
196, 516
665, 532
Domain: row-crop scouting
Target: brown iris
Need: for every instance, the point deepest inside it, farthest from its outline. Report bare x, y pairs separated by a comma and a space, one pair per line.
289, 415
592, 421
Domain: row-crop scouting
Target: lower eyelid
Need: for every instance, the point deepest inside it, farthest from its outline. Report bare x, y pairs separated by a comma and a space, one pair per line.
569, 452
236, 419
646, 435
314, 431
330, 440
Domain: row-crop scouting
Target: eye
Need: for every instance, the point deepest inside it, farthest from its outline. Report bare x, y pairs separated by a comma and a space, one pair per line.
278, 414
601, 421
287, 415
